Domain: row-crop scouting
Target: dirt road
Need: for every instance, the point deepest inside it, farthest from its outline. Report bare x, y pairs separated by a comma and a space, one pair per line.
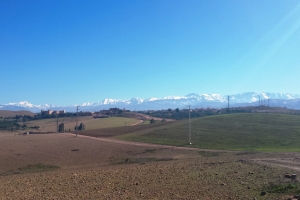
125, 142
286, 160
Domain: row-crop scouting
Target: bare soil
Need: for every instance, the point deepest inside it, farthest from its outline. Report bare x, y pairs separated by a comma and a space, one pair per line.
106, 168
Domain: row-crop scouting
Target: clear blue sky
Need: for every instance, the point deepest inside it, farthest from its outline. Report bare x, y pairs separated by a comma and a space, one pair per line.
68, 52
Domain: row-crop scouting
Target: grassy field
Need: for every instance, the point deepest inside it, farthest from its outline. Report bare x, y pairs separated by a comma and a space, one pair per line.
90, 122
250, 132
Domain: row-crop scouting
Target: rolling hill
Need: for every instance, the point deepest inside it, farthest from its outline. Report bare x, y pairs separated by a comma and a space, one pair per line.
249, 132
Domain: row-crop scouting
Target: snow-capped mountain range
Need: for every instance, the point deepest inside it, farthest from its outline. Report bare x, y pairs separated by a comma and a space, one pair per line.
195, 100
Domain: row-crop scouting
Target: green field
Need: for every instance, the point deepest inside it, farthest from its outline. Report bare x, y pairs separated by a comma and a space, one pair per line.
249, 132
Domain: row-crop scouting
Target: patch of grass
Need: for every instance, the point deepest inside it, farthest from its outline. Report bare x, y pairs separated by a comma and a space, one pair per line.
32, 169
283, 188
246, 153
209, 153
146, 122
141, 160
150, 150
243, 132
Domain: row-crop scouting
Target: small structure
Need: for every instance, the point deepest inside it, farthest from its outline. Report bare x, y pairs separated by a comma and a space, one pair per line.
61, 127
50, 112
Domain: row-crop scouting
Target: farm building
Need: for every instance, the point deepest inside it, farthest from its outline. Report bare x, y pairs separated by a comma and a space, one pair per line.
50, 112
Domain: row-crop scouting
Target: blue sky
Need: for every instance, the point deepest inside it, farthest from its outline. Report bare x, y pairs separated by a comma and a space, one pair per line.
69, 52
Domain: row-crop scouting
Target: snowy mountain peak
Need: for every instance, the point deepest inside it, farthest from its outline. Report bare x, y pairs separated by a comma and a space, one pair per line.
193, 99
21, 104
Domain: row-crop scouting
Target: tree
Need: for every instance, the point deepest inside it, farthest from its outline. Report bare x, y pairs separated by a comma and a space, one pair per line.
81, 127
177, 109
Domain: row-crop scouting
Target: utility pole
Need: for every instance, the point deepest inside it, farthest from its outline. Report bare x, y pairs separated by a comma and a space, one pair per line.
77, 121
268, 102
228, 98
56, 123
190, 138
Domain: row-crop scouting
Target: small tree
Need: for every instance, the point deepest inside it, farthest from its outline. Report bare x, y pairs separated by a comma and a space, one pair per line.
152, 121
81, 127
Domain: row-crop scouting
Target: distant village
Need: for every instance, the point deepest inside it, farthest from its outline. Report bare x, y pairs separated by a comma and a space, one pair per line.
101, 114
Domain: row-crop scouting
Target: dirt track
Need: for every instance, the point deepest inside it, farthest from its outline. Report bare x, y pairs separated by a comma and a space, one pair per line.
124, 142
286, 160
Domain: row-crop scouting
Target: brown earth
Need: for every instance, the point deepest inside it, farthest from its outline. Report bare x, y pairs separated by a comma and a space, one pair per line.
106, 168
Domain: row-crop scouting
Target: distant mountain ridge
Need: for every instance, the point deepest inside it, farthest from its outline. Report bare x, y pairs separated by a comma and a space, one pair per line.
195, 100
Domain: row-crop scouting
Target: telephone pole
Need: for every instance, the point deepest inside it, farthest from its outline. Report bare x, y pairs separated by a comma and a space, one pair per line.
190, 138
228, 99
77, 120
56, 123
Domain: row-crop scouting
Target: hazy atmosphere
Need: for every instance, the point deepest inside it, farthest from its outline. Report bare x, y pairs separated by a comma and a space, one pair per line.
70, 52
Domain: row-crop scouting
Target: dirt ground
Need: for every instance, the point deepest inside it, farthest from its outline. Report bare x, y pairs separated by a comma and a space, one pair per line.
106, 168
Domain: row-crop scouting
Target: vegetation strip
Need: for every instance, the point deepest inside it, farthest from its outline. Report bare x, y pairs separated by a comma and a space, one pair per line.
31, 169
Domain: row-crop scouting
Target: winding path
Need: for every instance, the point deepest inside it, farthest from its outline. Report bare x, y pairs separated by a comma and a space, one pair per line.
126, 142
289, 163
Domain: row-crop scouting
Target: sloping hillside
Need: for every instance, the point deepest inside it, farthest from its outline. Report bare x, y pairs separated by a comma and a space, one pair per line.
259, 132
